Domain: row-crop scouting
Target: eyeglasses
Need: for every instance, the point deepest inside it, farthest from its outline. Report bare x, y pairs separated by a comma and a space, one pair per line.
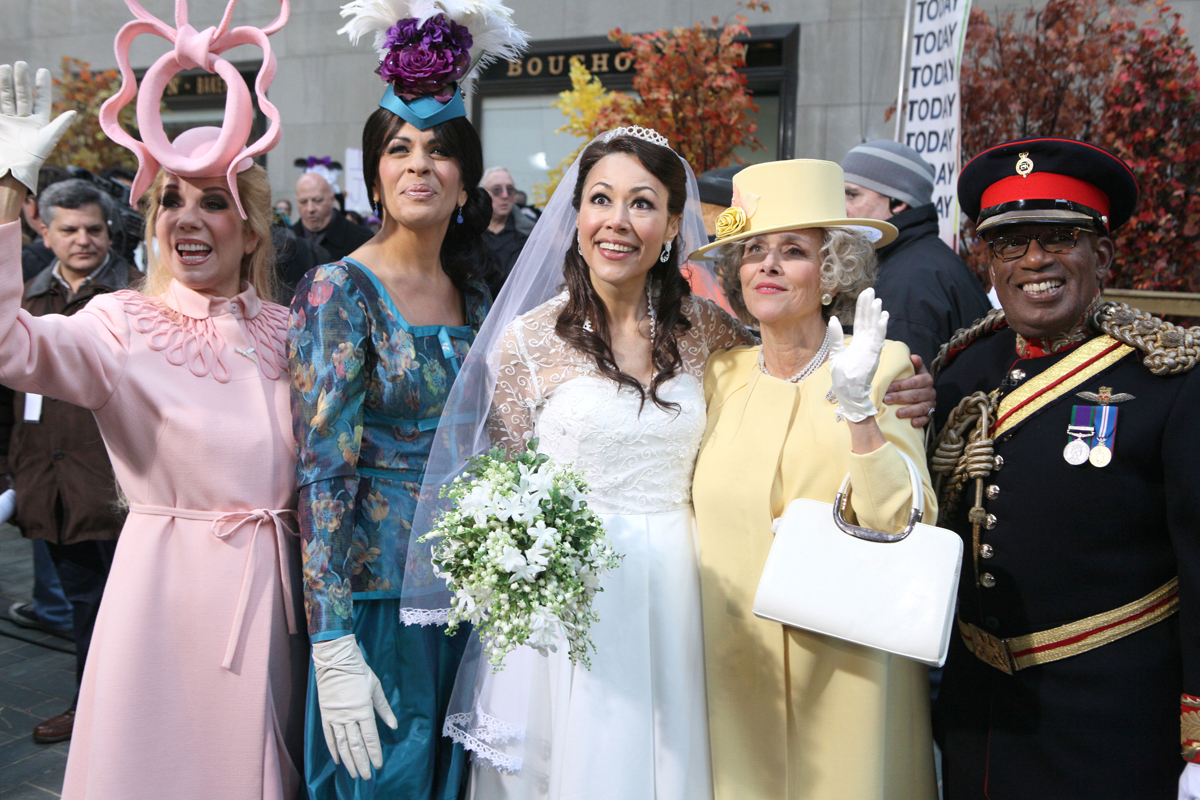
500, 191
1014, 246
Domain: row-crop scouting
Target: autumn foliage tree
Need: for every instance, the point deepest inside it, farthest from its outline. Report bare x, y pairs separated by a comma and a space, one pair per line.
1089, 70
690, 88
687, 86
84, 90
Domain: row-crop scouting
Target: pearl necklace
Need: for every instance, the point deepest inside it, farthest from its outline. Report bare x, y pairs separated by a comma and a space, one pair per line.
813, 366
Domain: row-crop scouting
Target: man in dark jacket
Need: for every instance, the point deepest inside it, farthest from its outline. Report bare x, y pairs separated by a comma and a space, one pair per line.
927, 290
321, 223
66, 491
503, 236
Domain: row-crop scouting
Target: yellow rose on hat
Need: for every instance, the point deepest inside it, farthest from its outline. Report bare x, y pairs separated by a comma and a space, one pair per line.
730, 223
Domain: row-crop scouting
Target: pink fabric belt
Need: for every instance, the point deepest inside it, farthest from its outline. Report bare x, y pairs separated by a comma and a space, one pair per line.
224, 525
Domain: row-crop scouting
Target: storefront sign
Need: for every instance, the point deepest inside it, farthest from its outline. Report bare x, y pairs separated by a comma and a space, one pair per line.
544, 65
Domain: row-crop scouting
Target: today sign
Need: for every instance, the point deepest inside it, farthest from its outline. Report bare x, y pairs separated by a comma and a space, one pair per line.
931, 109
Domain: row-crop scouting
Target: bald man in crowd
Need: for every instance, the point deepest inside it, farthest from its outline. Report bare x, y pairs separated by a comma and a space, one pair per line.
321, 224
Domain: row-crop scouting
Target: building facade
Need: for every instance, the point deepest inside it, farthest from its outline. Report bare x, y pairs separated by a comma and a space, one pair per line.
824, 72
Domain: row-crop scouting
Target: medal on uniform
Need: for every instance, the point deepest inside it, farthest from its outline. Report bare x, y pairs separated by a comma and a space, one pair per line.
1080, 430
1106, 428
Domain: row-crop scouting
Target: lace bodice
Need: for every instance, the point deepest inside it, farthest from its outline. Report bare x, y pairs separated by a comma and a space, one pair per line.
637, 458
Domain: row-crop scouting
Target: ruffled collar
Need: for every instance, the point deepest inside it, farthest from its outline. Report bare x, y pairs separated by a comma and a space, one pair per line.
1064, 340
179, 324
197, 305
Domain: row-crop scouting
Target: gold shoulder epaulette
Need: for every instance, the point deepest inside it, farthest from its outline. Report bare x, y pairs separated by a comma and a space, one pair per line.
1169, 349
963, 337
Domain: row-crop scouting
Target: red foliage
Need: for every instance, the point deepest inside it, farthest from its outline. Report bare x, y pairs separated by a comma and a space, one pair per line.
1084, 69
691, 91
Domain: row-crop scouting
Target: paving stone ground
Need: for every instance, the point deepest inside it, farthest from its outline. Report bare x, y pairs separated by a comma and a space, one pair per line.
36, 683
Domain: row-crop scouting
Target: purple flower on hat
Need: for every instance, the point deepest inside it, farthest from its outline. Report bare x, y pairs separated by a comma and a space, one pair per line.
426, 59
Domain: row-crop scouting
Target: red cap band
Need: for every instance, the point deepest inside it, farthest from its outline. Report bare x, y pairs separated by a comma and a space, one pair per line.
1045, 186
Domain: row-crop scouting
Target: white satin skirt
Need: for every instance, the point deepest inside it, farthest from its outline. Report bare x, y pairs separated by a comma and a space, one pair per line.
634, 726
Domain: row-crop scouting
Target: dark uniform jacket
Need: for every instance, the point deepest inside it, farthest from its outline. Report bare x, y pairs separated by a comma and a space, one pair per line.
340, 238
66, 491
1066, 543
927, 290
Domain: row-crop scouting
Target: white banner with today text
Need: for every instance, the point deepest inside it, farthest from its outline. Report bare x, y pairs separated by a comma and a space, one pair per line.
932, 108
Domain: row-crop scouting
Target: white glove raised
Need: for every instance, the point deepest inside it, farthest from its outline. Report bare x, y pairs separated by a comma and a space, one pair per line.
27, 136
1189, 782
853, 368
349, 694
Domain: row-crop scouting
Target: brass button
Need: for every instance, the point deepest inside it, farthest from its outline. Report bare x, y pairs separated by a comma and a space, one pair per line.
1017, 374
993, 492
986, 551
999, 463
990, 522
988, 580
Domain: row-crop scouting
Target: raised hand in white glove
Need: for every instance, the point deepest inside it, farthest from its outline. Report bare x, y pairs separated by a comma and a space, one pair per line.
1189, 782
853, 368
349, 694
27, 136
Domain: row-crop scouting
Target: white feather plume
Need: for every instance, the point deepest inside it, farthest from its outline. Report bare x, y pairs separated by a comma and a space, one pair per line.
495, 35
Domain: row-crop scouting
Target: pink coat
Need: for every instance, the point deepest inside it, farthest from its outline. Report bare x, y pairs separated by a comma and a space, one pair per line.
193, 680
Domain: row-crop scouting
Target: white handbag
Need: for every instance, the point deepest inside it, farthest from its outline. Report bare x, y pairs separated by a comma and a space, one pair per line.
891, 591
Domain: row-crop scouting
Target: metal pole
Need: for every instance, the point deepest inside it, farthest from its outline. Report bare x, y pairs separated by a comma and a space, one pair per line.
905, 45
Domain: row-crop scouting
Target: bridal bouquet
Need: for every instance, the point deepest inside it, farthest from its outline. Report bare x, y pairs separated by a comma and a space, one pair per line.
522, 553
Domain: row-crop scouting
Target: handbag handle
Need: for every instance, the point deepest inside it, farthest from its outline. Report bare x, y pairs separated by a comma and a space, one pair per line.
870, 534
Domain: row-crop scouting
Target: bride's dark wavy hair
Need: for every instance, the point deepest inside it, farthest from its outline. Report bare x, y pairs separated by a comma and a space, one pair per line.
668, 286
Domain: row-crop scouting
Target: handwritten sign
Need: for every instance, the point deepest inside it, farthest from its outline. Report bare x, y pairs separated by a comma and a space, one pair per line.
932, 109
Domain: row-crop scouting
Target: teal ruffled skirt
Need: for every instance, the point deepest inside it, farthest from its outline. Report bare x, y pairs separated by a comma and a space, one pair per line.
416, 667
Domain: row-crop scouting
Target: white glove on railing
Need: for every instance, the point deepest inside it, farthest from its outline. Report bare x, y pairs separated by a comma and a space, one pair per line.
27, 136
1189, 782
349, 694
853, 368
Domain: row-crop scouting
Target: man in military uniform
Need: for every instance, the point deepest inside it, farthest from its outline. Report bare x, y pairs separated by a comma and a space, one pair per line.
1069, 460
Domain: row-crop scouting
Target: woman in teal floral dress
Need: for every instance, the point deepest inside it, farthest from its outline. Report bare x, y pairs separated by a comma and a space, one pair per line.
375, 343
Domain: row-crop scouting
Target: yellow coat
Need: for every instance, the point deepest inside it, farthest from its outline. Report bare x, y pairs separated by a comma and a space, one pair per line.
795, 715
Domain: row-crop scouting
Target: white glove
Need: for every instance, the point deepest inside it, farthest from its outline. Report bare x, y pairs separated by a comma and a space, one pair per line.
1189, 782
349, 694
27, 136
853, 368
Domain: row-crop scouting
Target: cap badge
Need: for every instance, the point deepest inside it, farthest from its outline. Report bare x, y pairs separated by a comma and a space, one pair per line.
1024, 165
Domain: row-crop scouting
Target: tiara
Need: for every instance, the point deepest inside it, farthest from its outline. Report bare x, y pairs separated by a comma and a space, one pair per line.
645, 134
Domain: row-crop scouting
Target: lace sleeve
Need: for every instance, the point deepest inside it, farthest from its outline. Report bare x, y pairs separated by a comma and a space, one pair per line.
510, 420
713, 329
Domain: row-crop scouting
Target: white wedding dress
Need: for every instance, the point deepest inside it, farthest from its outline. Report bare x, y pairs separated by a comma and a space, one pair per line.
634, 726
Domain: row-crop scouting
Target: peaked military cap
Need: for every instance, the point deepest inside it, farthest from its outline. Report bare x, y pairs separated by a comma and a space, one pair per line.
1047, 180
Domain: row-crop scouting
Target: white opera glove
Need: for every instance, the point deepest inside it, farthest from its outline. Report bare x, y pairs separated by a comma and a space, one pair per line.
853, 368
1189, 782
27, 136
349, 694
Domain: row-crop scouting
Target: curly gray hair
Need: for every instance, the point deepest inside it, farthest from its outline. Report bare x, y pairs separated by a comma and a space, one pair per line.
848, 266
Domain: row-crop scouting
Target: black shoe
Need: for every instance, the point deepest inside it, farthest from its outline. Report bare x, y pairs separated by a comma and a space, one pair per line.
24, 615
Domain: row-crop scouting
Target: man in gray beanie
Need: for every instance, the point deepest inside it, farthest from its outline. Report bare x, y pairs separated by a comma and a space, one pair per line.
927, 290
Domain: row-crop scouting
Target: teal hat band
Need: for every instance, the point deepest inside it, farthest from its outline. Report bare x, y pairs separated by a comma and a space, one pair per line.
424, 112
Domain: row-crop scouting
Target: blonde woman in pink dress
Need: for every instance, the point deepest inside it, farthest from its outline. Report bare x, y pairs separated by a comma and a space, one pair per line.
190, 690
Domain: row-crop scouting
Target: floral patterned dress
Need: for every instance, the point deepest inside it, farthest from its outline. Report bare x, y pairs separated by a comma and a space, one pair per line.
367, 392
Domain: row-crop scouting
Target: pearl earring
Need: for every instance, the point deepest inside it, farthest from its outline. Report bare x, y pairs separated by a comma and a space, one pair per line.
826, 299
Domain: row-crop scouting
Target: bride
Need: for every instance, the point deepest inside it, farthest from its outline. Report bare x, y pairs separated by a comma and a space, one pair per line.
607, 375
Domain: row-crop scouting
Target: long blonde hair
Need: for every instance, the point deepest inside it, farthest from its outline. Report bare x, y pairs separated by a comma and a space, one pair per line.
258, 266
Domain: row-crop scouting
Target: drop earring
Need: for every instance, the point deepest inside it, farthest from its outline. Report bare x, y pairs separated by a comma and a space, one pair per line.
460, 218
666, 253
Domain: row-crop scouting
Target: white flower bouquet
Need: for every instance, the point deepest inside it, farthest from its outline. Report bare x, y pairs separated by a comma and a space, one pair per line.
522, 553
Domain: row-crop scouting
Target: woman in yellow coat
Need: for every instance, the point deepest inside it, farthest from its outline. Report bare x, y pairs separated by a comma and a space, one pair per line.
795, 715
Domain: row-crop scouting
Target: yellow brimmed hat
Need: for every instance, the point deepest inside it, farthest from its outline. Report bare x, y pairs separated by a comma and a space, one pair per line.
788, 196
